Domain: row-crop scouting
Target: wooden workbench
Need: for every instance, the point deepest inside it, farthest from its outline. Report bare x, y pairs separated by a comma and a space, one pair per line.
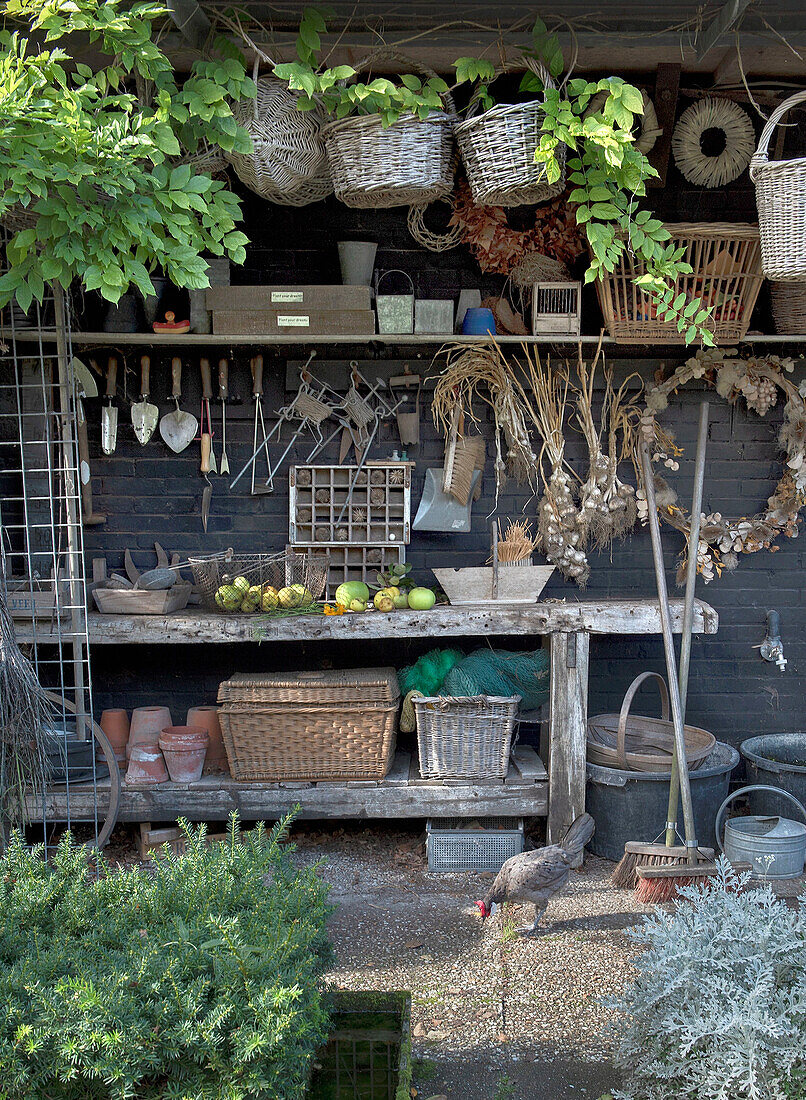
565, 626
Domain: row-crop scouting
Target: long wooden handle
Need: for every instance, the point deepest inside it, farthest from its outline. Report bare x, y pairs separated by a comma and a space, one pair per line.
145, 375
205, 453
223, 378
84, 464
176, 377
207, 379
256, 365
111, 376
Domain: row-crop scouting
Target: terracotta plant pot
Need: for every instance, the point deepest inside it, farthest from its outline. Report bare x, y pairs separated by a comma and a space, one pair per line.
147, 725
207, 718
146, 766
115, 724
185, 748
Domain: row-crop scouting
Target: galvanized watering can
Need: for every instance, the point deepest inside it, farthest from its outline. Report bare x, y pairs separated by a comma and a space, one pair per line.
776, 846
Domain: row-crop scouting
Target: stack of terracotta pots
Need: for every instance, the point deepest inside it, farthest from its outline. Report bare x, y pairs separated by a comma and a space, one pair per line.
115, 724
207, 718
184, 749
152, 749
146, 762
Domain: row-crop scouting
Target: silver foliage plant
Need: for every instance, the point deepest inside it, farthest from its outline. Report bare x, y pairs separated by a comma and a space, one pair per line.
718, 1011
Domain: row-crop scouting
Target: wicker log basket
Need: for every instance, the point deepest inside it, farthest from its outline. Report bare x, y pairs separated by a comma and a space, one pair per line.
789, 308
781, 202
633, 743
410, 162
288, 165
465, 738
498, 147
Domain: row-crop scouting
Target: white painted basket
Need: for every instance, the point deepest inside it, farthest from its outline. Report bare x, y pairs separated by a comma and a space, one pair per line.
518, 585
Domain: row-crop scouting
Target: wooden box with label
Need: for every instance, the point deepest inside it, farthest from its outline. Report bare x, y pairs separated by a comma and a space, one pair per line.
293, 320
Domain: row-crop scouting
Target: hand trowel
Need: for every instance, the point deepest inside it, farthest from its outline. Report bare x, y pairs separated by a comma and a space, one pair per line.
109, 413
144, 414
178, 428
408, 414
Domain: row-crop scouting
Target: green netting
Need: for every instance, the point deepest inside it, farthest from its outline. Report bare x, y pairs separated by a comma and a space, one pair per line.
428, 673
499, 672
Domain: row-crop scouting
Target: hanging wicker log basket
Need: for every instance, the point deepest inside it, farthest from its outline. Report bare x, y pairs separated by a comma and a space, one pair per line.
498, 148
781, 202
410, 162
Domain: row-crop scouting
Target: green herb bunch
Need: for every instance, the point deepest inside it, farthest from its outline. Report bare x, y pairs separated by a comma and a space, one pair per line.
327, 88
609, 175
197, 978
99, 173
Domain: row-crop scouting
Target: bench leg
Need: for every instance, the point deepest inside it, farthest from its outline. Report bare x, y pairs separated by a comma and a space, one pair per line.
568, 715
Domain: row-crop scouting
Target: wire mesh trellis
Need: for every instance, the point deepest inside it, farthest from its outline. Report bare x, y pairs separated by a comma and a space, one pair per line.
42, 574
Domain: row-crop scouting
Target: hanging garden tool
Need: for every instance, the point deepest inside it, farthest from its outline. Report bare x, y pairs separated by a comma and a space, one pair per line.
256, 366
408, 415
109, 413
382, 411
223, 393
207, 492
144, 414
85, 386
207, 393
178, 428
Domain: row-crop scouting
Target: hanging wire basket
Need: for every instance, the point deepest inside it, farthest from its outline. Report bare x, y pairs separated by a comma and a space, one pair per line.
264, 571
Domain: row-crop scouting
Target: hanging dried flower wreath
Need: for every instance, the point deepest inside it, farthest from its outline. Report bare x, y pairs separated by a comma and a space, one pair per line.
498, 248
758, 379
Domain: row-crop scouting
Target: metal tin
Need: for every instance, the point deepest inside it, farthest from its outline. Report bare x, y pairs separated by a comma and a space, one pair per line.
776, 846
395, 311
434, 315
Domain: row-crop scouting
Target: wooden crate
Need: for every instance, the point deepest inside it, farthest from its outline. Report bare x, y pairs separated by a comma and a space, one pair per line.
379, 513
353, 563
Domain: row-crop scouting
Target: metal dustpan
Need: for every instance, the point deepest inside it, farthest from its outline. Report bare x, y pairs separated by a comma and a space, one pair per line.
438, 510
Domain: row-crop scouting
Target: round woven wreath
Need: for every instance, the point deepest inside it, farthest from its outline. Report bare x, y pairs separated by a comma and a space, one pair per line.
758, 380
727, 163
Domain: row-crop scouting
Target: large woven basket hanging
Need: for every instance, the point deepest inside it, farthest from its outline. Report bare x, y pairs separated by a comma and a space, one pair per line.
288, 164
410, 162
498, 148
634, 743
781, 202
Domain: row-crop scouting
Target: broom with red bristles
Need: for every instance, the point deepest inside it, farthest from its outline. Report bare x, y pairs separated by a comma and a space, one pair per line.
657, 870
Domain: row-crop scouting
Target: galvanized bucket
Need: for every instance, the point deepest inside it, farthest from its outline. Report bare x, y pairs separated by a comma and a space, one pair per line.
776, 846
395, 311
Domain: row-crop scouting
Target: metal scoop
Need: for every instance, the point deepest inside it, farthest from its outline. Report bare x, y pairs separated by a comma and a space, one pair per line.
144, 414
178, 428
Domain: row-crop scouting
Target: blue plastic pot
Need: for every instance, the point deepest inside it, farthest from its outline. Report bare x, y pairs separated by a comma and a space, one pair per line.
478, 321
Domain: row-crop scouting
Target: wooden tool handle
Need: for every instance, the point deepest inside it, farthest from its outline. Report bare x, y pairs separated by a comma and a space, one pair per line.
145, 375
207, 379
176, 377
223, 377
257, 375
111, 376
205, 453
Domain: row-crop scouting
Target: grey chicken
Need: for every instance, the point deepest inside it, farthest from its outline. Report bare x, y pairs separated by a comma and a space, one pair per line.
537, 876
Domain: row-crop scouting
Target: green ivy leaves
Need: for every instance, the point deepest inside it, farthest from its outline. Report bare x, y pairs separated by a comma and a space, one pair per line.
97, 169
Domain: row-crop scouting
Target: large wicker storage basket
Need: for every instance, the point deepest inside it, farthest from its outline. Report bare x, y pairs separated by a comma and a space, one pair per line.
309, 726
632, 742
288, 164
498, 150
781, 202
410, 162
726, 262
465, 738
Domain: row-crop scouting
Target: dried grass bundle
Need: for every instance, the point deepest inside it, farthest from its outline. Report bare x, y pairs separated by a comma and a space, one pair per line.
517, 544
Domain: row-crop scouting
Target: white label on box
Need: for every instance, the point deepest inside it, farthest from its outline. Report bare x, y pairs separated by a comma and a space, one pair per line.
287, 296
293, 320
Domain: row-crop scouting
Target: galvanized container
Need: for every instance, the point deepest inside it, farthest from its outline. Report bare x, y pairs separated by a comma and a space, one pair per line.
777, 760
776, 846
395, 311
453, 846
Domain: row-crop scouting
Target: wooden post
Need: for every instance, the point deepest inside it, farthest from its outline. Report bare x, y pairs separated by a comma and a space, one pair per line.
568, 716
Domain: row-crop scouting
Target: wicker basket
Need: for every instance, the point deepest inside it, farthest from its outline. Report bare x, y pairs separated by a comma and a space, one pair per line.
288, 164
726, 262
781, 202
637, 744
465, 738
267, 570
498, 149
310, 726
789, 308
410, 162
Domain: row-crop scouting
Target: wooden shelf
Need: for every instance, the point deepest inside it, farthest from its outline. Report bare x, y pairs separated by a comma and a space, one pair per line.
524, 793
204, 627
191, 340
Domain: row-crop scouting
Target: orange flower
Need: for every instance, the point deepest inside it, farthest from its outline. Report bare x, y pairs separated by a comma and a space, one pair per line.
337, 609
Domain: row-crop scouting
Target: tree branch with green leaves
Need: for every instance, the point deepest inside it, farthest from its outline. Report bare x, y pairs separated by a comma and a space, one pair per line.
98, 174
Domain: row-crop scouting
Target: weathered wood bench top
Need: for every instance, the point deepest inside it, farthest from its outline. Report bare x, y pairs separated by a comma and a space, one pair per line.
549, 617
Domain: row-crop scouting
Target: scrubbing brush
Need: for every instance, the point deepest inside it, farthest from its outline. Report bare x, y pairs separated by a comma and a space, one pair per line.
658, 870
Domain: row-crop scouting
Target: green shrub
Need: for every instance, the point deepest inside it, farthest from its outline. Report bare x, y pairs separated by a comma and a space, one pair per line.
196, 978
